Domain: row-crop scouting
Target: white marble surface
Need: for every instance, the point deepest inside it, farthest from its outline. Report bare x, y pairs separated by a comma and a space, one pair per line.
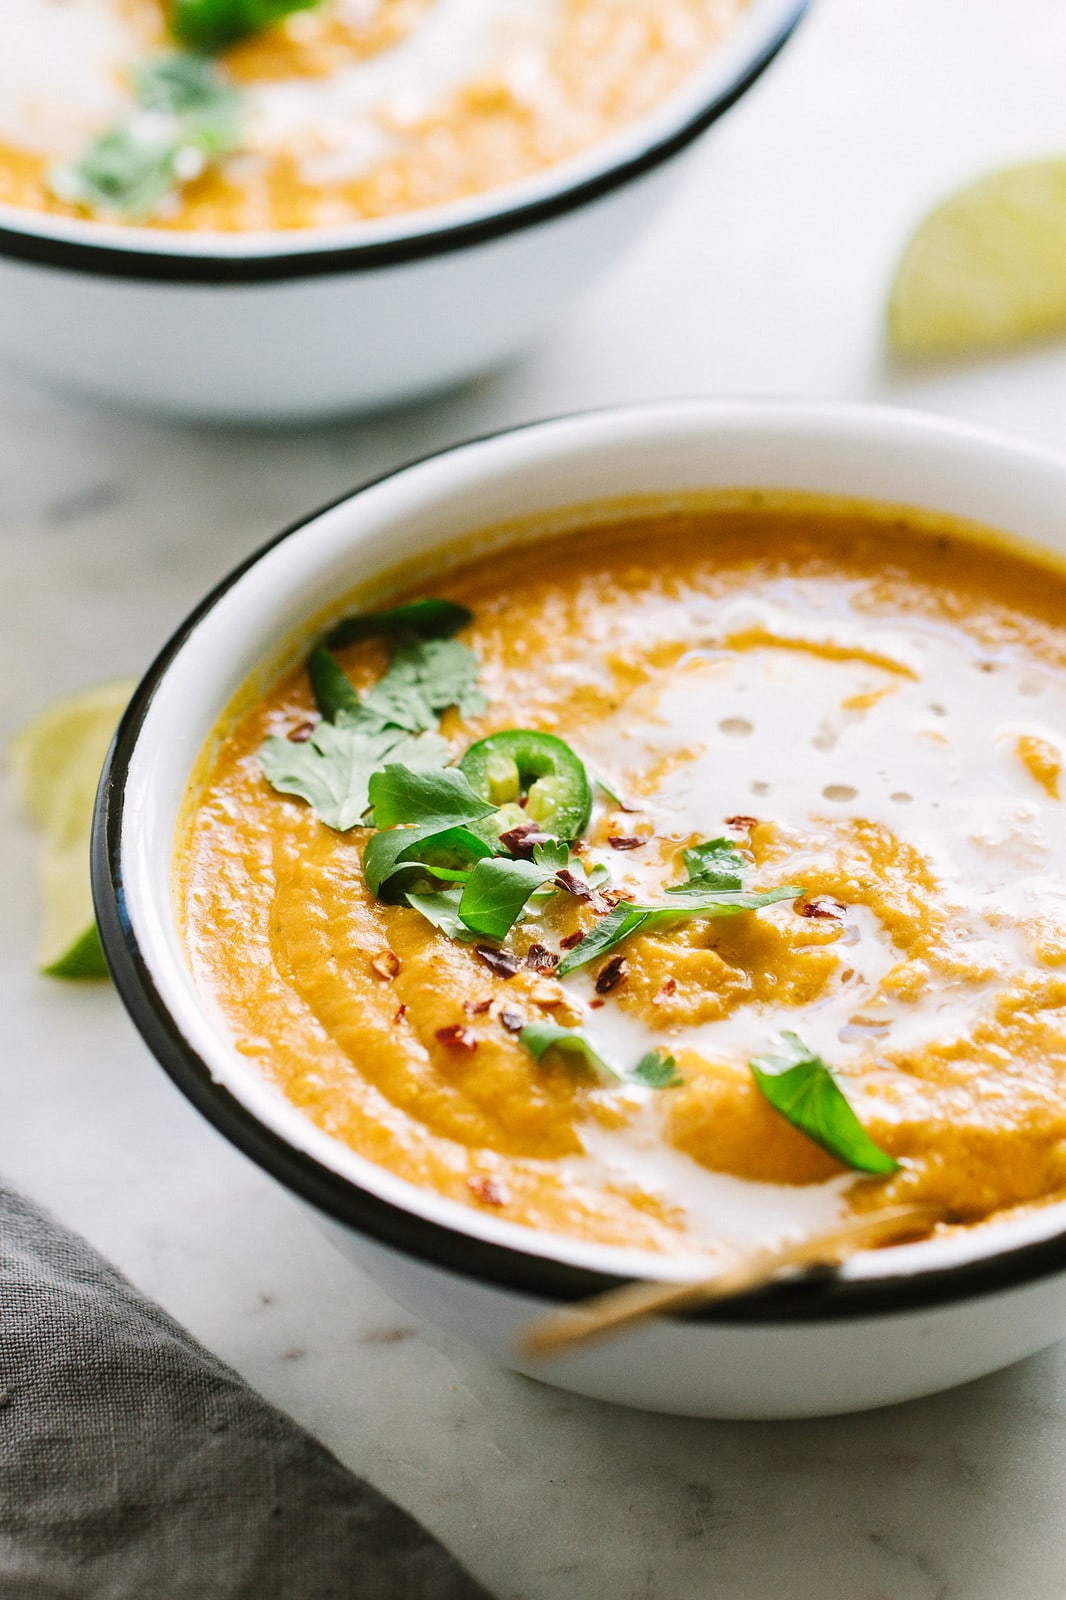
768, 277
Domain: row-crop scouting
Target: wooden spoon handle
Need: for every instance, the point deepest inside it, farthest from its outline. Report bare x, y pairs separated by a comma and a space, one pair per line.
633, 1303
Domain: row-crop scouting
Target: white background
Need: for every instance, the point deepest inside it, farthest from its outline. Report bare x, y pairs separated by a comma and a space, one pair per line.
768, 276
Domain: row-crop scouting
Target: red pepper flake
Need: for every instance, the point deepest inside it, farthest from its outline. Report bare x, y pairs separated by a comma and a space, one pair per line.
541, 959
580, 889
609, 898
477, 1008
824, 906
501, 962
456, 1037
513, 1021
400, 1014
578, 847
747, 823
301, 733
571, 940
523, 840
386, 965
615, 972
619, 841
576, 886
667, 988
488, 1190
597, 1005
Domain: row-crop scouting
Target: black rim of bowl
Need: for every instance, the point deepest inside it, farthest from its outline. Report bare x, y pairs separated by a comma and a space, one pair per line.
162, 266
815, 1297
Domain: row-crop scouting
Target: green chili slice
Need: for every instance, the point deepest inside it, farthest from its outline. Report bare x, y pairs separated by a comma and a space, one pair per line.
521, 764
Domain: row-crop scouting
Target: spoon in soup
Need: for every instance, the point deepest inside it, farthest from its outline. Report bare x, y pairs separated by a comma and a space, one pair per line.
627, 1307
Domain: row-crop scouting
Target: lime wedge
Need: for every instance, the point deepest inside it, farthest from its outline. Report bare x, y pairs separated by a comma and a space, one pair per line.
987, 268
56, 761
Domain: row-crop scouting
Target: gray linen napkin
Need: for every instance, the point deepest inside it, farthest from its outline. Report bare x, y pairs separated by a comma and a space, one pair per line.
136, 1466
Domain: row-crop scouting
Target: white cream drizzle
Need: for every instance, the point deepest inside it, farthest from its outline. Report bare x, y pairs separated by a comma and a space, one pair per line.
933, 758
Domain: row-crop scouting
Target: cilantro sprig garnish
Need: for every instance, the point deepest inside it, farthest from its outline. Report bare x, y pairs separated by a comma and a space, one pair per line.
393, 723
656, 1070
685, 905
210, 25
187, 115
800, 1086
333, 769
435, 830
713, 865
712, 889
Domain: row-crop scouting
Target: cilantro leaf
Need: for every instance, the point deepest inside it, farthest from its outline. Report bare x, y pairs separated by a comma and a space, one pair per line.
332, 688
657, 1070
496, 893
431, 800
627, 919
541, 1037
714, 864
400, 859
424, 679
424, 619
442, 910
333, 770
801, 1087
554, 855
211, 25
187, 116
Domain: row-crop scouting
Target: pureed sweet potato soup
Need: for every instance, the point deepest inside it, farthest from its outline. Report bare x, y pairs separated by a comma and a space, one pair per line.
344, 109
681, 881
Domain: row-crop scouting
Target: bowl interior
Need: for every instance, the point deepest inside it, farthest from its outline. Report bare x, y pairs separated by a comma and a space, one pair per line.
758, 33
259, 622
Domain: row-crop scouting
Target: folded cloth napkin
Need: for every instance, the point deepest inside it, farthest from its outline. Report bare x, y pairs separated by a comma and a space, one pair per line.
136, 1466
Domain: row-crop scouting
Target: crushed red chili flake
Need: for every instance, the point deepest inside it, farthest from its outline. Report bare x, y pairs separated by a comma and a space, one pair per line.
401, 1013
477, 1008
501, 962
387, 965
576, 886
456, 1037
301, 733
597, 1005
822, 907
742, 822
524, 839
609, 898
571, 940
667, 988
488, 1190
610, 976
513, 1021
541, 959
629, 841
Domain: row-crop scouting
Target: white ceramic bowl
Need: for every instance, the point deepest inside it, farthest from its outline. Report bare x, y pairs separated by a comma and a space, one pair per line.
889, 1325
281, 325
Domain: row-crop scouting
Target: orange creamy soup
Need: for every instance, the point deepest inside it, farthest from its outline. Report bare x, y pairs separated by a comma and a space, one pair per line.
353, 109
853, 719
